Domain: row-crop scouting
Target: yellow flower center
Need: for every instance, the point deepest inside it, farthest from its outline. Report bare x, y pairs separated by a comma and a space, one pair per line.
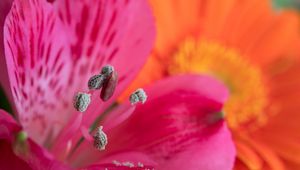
248, 95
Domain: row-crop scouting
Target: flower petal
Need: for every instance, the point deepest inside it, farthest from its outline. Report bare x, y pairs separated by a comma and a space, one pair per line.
180, 121
8, 126
5, 5
8, 160
37, 58
52, 51
215, 152
119, 33
106, 32
25, 155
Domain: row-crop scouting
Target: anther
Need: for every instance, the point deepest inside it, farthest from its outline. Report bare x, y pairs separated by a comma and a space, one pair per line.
140, 164
107, 70
117, 163
109, 86
82, 101
128, 164
138, 96
100, 139
96, 82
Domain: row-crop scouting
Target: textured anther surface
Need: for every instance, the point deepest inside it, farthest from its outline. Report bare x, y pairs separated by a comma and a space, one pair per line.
138, 96
96, 82
82, 101
100, 139
107, 70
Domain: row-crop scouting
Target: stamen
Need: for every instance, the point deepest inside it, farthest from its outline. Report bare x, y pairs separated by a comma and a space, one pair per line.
109, 86
96, 82
107, 70
100, 139
116, 163
128, 164
138, 96
140, 164
82, 101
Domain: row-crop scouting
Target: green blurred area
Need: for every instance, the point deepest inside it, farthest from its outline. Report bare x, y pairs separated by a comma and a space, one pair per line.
282, 4
4, 104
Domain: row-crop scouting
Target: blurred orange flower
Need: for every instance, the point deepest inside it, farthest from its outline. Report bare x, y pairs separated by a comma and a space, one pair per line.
254, 50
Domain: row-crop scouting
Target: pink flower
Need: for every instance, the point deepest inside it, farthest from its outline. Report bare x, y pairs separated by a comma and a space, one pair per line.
51, 51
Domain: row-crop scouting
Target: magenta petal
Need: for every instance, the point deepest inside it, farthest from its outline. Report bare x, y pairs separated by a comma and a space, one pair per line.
8, 159
214, 152
38, 61
5, 6
29, 156
181, 112
8, 126
119, 33
52, 50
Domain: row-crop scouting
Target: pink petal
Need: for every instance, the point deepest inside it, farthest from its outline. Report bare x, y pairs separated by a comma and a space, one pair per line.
119, 33
37, 57
106, 32
8, 126
52, 50
177, 118
15, 156
5, 6
214, 152
8, 160
174, 106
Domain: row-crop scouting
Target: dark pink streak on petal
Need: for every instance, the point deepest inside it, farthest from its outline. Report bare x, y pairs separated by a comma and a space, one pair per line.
38, 62
119, 33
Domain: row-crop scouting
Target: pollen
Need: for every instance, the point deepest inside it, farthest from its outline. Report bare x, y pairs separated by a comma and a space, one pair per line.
140, 164
107, 70
248, 92
82, 101
100, 139
128, 164
138, 96
96, 82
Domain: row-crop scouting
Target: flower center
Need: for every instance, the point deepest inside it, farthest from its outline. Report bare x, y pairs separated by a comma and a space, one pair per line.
248, 95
